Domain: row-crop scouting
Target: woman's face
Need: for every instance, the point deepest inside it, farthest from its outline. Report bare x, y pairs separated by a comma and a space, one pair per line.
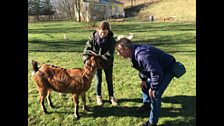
103, 33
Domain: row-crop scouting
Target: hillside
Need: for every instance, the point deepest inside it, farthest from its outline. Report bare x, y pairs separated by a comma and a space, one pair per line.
166, 10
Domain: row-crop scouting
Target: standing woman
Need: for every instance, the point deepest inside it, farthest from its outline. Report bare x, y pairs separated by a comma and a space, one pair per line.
103, 43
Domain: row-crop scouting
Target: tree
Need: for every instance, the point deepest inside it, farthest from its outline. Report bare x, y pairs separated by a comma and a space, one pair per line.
64, 8
78, 8
132, 2
68, 5
40, 7
47, 8
34, 8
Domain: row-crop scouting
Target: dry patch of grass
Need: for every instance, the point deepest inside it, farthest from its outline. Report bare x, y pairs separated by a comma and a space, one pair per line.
170, 10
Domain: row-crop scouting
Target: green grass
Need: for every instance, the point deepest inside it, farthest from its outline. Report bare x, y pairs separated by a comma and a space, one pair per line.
47, 45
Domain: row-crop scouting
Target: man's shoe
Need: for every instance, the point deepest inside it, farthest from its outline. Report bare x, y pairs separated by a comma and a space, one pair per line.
113, 101
147, 124
145, 107
99, 100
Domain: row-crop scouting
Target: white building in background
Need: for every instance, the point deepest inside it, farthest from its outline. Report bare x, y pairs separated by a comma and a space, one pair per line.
92, 10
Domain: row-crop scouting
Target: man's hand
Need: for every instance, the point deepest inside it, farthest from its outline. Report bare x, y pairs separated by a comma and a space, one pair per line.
143, 85
151, 93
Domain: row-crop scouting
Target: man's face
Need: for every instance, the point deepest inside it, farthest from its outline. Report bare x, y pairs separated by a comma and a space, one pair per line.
123, 52
103, 33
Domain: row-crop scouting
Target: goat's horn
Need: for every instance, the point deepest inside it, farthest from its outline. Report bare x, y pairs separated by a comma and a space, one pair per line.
130, 36
120, 37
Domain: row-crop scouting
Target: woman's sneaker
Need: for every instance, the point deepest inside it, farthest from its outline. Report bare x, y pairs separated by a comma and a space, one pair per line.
113, 101
99, 100
147, 124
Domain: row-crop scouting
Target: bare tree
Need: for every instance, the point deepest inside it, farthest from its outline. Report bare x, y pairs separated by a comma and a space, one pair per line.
34, 8
48, 9
131, 2
67, 6
78, 8
64, 8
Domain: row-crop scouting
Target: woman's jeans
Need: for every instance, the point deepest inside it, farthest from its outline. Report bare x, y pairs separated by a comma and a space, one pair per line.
108, 74
156, 101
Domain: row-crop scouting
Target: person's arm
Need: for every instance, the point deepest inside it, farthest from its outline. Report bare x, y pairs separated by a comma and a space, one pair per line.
143, 85
152, 70
86, 53
108, 56
142, 76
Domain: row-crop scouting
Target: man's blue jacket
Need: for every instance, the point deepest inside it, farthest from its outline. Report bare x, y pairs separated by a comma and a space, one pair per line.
151, 62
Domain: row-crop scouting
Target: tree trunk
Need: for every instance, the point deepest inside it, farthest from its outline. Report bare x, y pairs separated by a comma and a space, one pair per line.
78, 8
131, 3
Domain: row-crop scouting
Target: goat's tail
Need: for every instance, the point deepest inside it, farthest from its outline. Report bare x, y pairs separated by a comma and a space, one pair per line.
34, 64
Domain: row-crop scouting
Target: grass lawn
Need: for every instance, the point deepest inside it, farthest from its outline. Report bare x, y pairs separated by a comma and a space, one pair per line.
46, 44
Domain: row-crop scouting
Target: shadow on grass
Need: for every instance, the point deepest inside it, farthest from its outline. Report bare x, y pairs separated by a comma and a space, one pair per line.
147, 27
38, 45
120, 111
182, 110
56, 46
78, 46
134, 10
187, 111
57, 29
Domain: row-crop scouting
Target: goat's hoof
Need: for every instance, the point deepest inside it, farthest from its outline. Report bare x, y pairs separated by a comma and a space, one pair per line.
46, 112
77, 117
52, 106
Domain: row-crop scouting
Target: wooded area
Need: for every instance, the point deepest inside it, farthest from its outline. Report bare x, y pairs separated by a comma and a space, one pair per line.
52, 9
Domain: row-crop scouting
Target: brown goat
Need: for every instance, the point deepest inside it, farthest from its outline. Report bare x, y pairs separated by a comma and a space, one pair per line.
75, 81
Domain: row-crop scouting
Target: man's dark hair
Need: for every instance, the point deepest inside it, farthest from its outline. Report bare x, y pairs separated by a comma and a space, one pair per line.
124, 43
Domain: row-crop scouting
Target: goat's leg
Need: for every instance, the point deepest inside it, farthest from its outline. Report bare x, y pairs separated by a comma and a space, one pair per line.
49, 99
83, 96
76, 106
42, 97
